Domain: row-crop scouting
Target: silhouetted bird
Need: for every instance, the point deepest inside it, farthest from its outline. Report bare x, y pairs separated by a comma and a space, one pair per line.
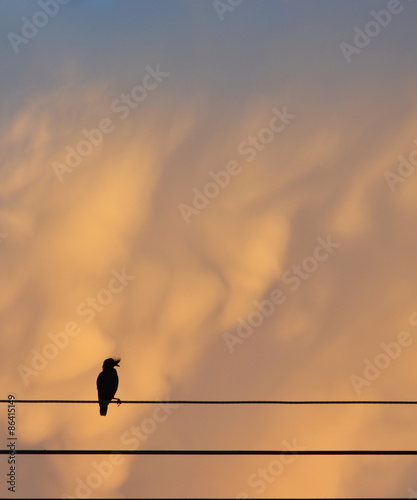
107, 383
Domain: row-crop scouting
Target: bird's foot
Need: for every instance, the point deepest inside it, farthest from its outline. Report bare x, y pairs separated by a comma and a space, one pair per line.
118, 401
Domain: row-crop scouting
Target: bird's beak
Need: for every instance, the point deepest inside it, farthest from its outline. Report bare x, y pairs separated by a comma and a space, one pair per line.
117, 364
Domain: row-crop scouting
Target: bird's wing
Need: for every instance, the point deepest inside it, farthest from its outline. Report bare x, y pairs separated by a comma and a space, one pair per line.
107, 384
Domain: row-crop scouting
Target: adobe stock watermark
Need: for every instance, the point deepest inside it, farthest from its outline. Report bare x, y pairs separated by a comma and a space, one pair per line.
87, 310
382, 360
121, 107
132, 438
412, 493
223, 6
405, 168
11, 444
30, 27
249, 149
293, 277
363, 36
265, 476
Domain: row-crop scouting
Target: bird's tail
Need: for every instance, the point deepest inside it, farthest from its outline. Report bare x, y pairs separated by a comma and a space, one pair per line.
103, 408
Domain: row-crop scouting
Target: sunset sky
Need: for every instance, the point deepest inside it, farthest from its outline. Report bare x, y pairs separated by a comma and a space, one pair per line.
222, 194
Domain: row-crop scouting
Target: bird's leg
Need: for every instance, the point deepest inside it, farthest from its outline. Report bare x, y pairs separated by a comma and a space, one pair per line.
118, 401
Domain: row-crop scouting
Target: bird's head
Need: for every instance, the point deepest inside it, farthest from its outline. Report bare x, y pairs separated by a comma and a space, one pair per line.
110, 363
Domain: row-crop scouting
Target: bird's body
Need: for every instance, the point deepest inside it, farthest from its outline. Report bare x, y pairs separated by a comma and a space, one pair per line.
107, 384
